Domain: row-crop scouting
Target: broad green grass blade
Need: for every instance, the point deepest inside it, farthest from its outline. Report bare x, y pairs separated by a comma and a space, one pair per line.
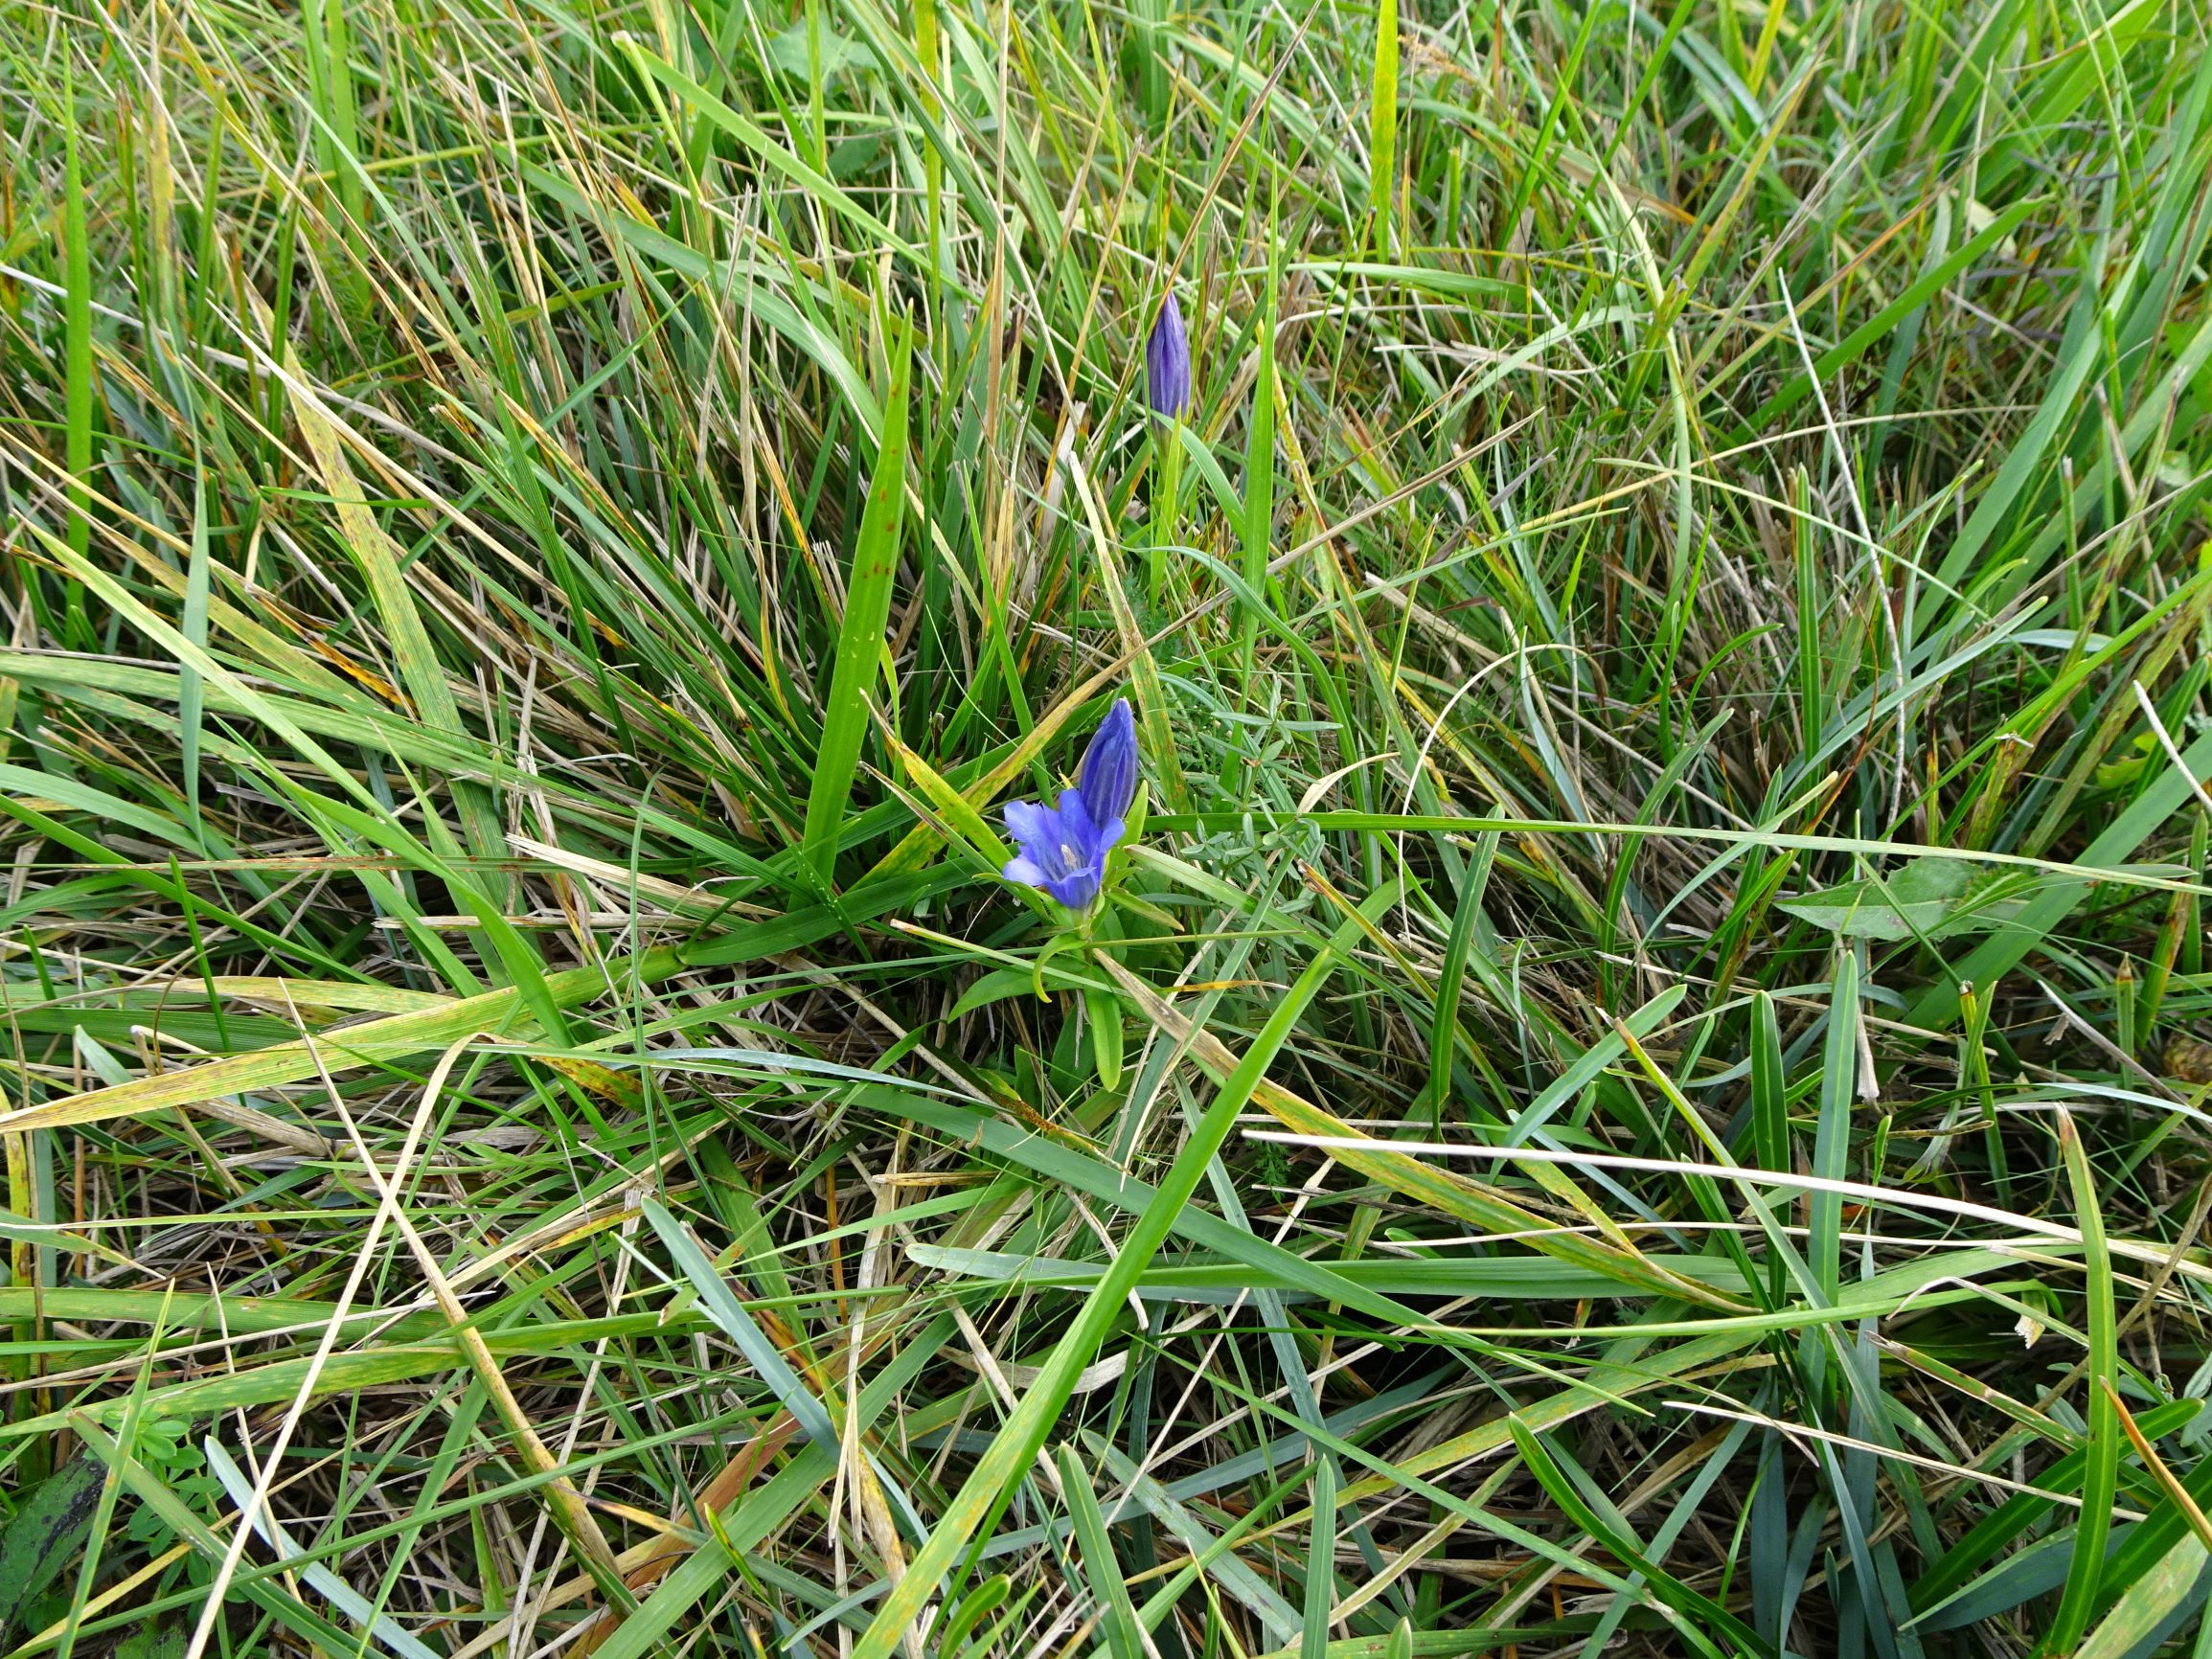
43, 1534
2137, 1620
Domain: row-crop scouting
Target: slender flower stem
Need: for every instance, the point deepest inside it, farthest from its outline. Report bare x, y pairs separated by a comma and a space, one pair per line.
1167, 494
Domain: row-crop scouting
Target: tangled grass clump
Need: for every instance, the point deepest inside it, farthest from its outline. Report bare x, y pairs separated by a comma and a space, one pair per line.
1627, 1074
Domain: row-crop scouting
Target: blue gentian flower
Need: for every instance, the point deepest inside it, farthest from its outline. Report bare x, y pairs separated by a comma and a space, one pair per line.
1168, 362
1064, 848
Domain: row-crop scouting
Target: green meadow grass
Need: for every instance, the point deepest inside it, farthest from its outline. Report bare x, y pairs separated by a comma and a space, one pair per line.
1642, 1083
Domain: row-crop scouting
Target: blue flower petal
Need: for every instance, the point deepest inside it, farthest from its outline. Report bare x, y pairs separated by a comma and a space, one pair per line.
1108, 778
1025, 870
1034, 825
1076, 827
1168, 361
1075, 890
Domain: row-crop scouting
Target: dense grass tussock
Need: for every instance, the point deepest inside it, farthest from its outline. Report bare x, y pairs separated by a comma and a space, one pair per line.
1639, 1083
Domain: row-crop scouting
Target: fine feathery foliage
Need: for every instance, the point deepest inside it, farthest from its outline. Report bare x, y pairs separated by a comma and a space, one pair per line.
1630, 1076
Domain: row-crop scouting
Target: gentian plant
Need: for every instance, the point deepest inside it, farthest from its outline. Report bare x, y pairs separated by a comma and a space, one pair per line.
1168, 392
1063, 852
1063, 848
1168, 362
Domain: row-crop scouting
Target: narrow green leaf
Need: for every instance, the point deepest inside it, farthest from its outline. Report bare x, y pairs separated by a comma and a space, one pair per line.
77, 320
867, 613
76, 347
2100, 1477
1103, 1013
1382, 124
383, 566
1109, 1591
1320, 1559
1769, 1088
1237, 1577
760, 1514
1444, 1029
722, 1305
975, 1608
1259, 523
193, 626
1832, 1139
1697, 1617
